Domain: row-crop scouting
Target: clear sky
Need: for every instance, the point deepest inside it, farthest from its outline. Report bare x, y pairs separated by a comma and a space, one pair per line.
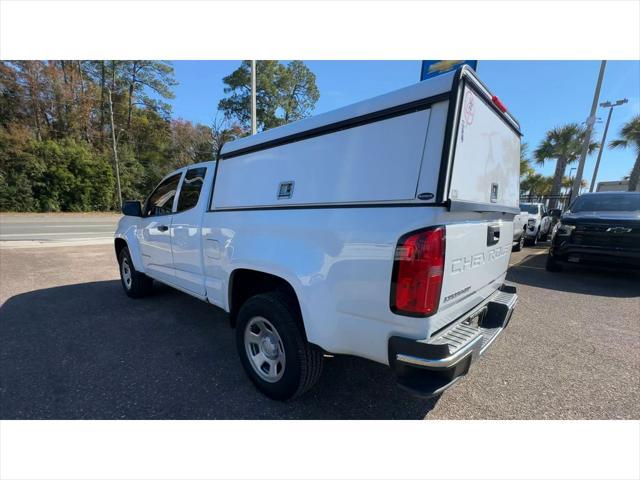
541, 94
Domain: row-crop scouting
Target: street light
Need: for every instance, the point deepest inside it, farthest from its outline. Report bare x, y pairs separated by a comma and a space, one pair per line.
587, 137
610, 106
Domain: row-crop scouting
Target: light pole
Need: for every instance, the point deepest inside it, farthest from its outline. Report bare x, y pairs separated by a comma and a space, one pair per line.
114, 145
604, 136
253, 97
587, 140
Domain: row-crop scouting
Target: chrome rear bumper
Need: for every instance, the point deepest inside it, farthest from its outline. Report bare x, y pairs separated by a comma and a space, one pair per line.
428, 367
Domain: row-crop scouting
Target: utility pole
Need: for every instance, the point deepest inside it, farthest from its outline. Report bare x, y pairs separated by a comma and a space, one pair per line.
587, 139
604, 137
571, 177
115, 148
253, 97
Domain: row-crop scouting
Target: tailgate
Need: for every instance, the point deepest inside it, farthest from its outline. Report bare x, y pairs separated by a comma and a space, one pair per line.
477, 253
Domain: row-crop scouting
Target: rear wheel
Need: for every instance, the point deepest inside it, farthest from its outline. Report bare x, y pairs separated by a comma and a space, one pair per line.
135, 284
273, 349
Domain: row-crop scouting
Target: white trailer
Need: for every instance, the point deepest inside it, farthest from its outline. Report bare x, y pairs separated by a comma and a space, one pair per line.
381, 230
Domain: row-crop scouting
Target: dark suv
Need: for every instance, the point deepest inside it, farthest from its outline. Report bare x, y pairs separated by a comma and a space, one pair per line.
599, 229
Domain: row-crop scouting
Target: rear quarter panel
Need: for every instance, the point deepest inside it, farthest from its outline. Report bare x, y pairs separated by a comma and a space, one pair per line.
339, 262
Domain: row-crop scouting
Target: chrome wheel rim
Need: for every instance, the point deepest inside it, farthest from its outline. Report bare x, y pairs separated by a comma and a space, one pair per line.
264, 349
126, 273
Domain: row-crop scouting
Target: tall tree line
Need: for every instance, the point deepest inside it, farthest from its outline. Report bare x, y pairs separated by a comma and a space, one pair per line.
55, 133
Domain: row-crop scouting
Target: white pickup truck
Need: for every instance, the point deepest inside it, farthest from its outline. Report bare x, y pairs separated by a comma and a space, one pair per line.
382, 230
538, 222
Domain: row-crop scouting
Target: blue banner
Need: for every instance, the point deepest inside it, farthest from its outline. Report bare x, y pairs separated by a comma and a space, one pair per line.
433, 68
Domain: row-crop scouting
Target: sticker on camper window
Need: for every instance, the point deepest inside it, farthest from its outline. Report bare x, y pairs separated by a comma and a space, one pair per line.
285, 190
469, 112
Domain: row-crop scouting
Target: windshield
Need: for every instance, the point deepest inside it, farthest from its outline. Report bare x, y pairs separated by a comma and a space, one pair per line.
524, 207
607, 202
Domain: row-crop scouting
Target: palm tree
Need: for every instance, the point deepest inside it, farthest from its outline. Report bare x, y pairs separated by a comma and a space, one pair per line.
525, 164
630, 133
564, 145
536, 184
567, 183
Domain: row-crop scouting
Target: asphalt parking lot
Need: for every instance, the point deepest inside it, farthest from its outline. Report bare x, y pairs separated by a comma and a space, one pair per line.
73, 346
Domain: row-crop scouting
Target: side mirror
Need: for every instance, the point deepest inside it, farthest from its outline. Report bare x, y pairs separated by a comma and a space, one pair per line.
132, 208
555, 213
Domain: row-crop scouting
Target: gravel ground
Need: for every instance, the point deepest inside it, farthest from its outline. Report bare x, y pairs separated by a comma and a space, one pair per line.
73, 346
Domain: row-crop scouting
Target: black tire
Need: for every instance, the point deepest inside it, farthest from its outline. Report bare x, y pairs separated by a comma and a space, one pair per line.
532, 242
303, 361
518, 246
552, 265
134, 283
544, 237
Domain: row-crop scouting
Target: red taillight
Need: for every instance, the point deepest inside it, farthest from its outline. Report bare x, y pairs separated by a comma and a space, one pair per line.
417, 273
501, 106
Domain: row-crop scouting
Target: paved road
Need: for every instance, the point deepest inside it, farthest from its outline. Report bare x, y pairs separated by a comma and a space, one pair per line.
40, 229
74, 346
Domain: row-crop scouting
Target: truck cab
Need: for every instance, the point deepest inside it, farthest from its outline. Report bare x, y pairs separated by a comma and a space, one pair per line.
382, 230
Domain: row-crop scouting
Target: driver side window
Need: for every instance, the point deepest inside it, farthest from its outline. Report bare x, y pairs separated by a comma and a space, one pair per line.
160, 202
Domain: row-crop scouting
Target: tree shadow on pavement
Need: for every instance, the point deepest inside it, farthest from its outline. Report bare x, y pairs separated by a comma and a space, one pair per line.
574, 279
86, 351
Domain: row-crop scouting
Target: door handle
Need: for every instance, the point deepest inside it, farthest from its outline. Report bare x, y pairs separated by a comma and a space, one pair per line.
493, 235
162, 228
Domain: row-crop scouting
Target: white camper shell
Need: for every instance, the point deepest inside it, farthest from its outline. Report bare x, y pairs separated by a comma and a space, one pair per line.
387, 223
408, 145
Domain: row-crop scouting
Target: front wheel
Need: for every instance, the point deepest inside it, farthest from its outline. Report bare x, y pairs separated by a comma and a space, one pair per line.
272, 347
552, 265
135, 284
532, 242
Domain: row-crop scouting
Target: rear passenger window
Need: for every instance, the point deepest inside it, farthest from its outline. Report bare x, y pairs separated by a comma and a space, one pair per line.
191, 186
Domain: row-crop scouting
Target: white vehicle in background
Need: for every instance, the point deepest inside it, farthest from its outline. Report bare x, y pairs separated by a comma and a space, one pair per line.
519, 226
381, 230
538, 222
